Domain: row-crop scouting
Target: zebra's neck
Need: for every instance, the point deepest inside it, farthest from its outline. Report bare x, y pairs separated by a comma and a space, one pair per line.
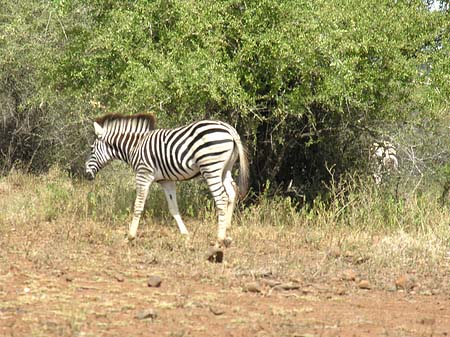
124, 146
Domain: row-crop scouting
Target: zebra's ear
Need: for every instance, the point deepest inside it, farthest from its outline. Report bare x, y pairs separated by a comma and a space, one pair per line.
99, 131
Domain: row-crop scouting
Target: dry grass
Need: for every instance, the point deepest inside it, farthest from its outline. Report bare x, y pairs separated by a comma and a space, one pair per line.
54, 229
362, 227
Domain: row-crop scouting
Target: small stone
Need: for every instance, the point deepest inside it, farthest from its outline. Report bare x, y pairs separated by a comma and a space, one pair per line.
349, 275
253, 287
154, 281
216, 310
364, 284
147, 313
119, 278
361, 260
214, 255
427, 321
340, 291
69, 278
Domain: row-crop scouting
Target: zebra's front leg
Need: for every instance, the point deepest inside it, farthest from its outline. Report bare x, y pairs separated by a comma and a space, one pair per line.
143, 183
169, 188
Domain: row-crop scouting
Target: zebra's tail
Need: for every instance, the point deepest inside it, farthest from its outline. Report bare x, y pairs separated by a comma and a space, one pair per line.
243, 166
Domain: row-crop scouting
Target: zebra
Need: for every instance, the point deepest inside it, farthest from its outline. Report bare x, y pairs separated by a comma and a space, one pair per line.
205, 148
384, 156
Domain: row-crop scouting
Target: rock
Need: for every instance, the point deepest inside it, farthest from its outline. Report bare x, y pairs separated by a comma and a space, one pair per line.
340, 291
427, 321
405, 282
361, 260
216, 310
154, 281
119, 278
214, 255
69, 278
349, 275
364, 284
253, 287
147, 313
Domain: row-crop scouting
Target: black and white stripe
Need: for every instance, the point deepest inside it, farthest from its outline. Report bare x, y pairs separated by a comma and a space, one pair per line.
384, 158
206, 148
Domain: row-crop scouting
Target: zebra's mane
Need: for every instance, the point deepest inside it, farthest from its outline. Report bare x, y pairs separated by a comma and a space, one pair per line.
140, 123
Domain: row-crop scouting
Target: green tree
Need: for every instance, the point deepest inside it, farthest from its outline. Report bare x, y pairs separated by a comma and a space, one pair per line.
39, 126
308, 84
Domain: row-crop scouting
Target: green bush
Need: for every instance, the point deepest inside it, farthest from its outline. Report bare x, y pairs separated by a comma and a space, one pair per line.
307, 84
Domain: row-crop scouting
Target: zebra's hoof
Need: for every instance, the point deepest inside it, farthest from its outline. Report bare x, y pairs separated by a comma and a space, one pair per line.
214, 254
227, 242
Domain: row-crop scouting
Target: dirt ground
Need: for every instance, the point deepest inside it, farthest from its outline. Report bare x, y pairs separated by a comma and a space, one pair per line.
55, 286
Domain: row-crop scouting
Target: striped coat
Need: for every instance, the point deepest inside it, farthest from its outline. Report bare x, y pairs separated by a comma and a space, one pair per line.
206, 148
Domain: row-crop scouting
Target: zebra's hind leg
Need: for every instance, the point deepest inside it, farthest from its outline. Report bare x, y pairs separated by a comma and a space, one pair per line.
220, 196
169, 188
230, 189
143, 183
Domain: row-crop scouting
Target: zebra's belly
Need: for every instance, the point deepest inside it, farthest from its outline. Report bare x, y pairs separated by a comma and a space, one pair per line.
171, 174
180, 178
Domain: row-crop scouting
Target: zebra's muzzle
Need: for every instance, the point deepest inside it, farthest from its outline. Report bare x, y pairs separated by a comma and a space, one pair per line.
90, 175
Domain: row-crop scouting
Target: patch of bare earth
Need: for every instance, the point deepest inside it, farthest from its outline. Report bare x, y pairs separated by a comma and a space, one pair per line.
53, 285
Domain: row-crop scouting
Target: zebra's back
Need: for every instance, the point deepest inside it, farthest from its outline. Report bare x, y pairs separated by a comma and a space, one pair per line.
182, 153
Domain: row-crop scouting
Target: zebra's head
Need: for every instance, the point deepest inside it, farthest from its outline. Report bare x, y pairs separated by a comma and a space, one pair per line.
101, 153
